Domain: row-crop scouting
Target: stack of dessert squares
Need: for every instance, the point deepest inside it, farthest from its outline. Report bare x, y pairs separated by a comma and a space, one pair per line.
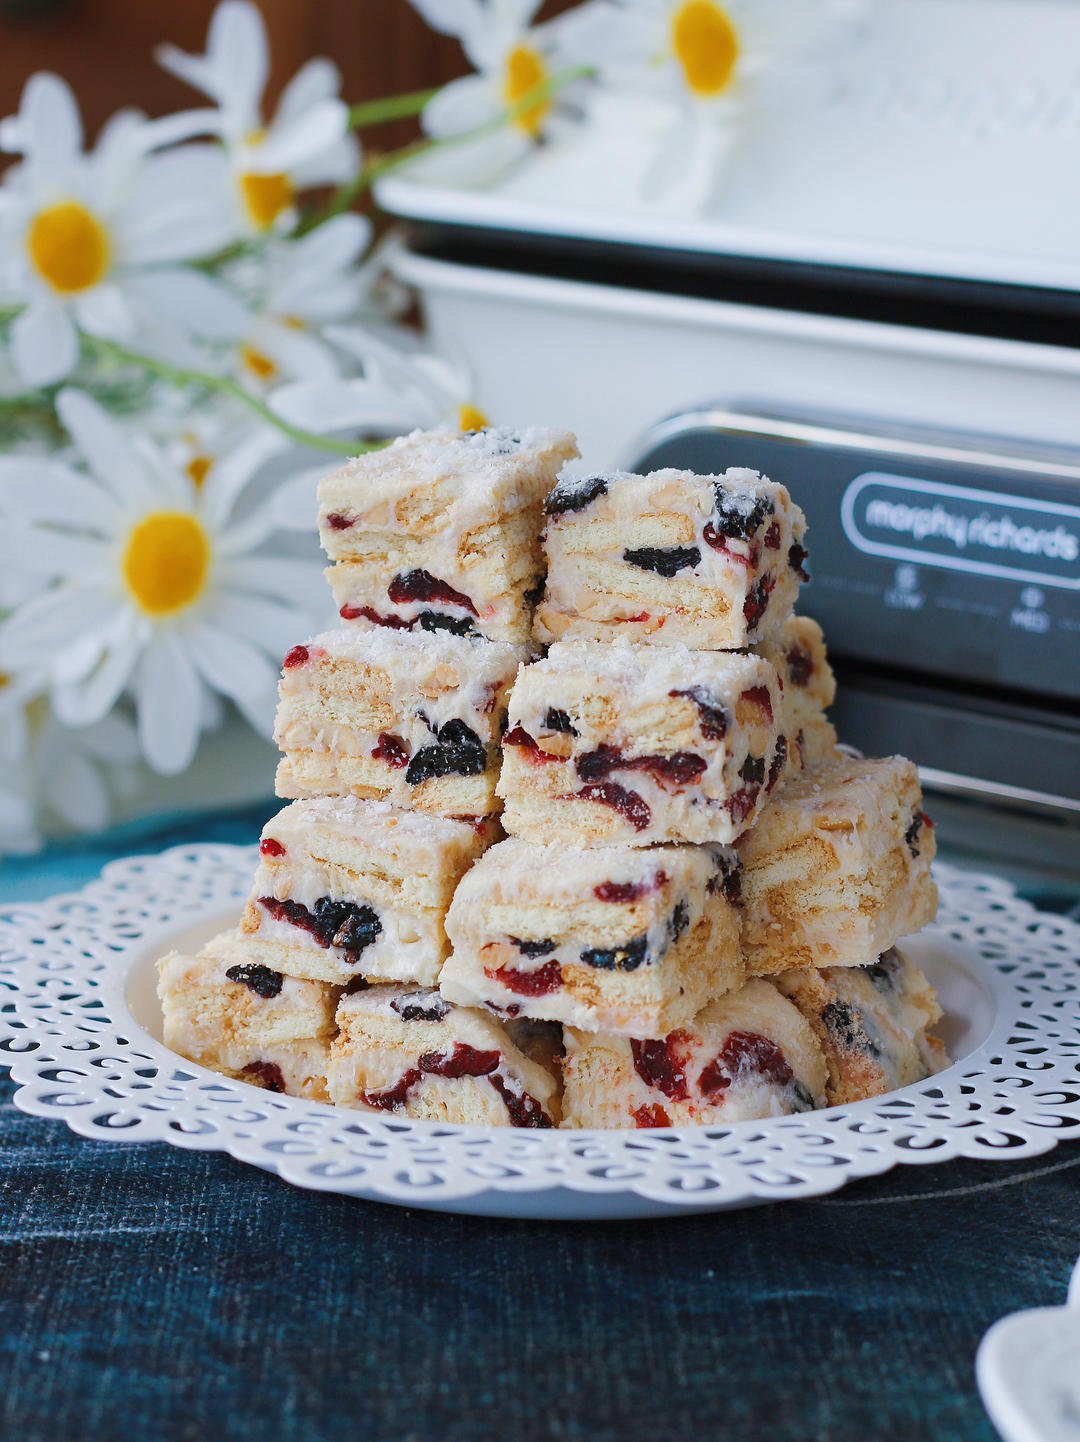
570, 838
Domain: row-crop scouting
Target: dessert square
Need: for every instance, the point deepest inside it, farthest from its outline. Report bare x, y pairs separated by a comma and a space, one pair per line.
226, 1009
441, 530
407, 1050
748, 1055
837, 868
798, 653
608, 939
348, 888
405, 717
872, 1023
714, 562
638, 744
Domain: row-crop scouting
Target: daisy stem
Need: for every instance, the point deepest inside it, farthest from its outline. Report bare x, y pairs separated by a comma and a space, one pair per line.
225, 385
382, 165
391, 107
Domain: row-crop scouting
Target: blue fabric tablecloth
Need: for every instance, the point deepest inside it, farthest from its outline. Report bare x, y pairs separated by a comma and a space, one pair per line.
150, 1293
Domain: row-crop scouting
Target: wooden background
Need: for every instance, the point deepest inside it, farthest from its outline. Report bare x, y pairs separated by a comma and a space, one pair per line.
105, 49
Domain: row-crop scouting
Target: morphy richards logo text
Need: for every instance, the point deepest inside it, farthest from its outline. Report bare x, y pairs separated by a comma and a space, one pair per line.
960, 528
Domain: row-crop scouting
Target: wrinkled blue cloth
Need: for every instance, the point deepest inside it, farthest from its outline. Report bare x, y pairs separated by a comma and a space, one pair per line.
150, 1293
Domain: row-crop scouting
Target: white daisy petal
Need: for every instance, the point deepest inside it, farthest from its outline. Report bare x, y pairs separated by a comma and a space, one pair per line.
460, 106
452, 17
49, 552
90, 699
168, 696
296, 507
42, 490
74, 788
44, 343
272, 626
295, 352
318, 79
107, 450
18, 831
193, 302
179, 209
230, 664
48, 132
45, 624
229, 476
333, 166
112, 739
287, 145
278, 576
104, 311
238, 52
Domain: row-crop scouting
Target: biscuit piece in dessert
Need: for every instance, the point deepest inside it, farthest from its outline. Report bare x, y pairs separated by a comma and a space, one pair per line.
228, 1010
638, 744
407, 1050
406, 717
747, 1055
441, 530
349, 888
798, 653
837, 868
712, 561
872, 1022
606, 939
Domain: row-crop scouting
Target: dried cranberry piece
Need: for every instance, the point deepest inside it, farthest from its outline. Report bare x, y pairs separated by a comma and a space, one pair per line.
719, 543
429, 1007
519, 737
626, 891
771, 539
266, 1074
522, 1109
331, 923
679, 769
556, 720
714, 718
618, 958
797, 557
395, 1097
458, 752
757, 600
541, 982
259, 979
628, 804
665, 561
354, 613
800, 664
391, 749
298, 656
737, 517
741, 803
533, 948
269, 847
574, 493
338, 522
660, 1064
779, 758
651, 1116
742, 1052
464, 1060
758, 696
421, 585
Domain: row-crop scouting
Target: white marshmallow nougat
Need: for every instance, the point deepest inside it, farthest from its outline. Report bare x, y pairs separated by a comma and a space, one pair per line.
746, 1056
638, 744
712, 561
409, 1051
872, 1023
441, 530
348, 888
837, 868
228, 1010
606, 939
409, 718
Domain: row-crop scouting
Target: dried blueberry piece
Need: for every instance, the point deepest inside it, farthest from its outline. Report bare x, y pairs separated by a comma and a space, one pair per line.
846, 1023
456, 625
458, 752
259, 979
665, 561
800, 664
753, 769
757, 599
533, 948
556, 720
911, 835
779, 758
679, 920
535, 594
360, 931
797, 558
574, 493
618, 958
885, 972
431, 1007
727, 880
737, 516
266, 1074
714, 718
802, 1101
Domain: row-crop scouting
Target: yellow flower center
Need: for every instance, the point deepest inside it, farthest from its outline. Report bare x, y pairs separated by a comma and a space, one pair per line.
706, 45
69, 247
265, 197
258, 362
198, 468
471, 418
166, 562
525, 70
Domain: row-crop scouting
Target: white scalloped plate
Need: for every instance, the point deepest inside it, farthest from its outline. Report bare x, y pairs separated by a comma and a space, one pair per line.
80, 1027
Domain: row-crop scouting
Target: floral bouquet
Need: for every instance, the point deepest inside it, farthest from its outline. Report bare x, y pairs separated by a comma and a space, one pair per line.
194, 320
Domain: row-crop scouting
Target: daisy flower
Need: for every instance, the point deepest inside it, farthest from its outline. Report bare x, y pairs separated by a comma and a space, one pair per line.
161, 586
511, 57
92, 241
306, 143
707, 57
296, 287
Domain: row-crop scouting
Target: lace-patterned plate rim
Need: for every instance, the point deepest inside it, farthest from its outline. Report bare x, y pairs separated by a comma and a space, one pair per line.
77, 1027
